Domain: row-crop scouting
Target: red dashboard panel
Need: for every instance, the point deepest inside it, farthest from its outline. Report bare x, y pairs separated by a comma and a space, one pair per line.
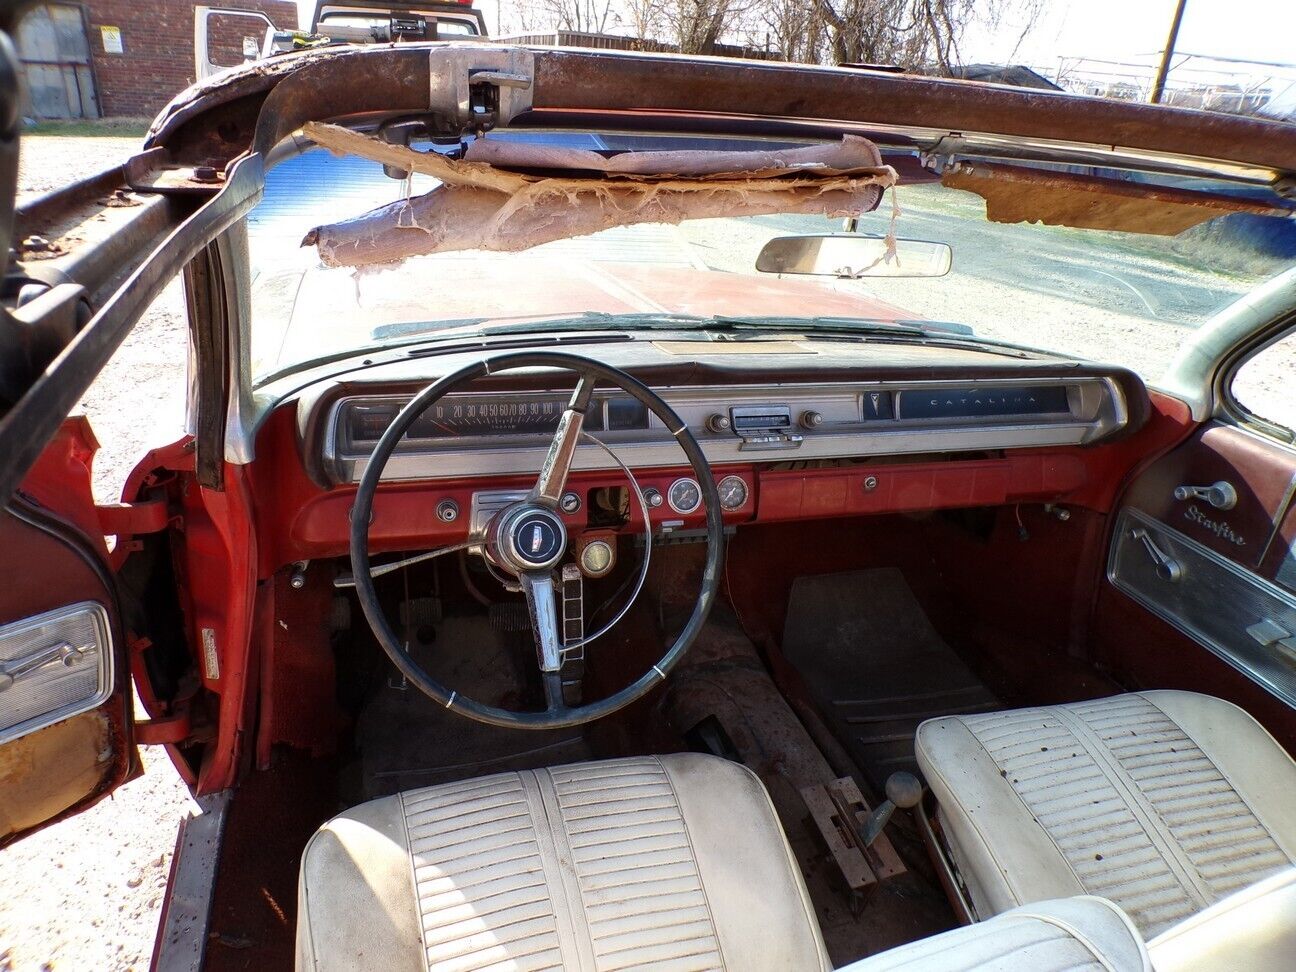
887, 488
406, 516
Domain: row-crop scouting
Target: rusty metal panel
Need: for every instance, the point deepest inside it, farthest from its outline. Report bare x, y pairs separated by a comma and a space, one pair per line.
647, 90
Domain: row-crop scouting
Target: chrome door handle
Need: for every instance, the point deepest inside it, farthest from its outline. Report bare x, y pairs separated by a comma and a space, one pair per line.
1167, 568
1220, 495
63, 652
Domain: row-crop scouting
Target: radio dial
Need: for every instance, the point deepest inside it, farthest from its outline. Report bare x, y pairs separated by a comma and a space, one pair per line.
811, 420
719, 422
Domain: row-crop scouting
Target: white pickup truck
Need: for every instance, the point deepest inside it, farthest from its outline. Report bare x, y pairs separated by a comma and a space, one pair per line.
332, 22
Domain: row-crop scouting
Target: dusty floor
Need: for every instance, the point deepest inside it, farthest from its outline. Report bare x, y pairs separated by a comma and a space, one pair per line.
85, 894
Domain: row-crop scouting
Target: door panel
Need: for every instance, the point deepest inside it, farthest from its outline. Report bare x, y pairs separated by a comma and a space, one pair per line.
1234, 612
65, 698
1195, 600
1260, 471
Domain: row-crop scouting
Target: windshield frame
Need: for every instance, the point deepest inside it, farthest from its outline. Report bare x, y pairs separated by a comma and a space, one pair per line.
622, 140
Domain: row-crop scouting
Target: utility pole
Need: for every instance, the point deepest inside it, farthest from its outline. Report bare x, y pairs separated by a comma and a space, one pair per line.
1158, 86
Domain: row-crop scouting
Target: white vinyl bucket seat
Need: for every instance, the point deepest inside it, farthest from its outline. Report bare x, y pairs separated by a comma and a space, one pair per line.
1162, 802
1254, 929
669, 862
1082, 934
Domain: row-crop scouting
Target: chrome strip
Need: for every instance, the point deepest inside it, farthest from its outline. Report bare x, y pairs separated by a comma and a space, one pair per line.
1099, 415
952, 883
182, 933
1218, 604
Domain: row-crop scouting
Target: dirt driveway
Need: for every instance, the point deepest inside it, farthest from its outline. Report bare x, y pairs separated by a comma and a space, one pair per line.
85, 894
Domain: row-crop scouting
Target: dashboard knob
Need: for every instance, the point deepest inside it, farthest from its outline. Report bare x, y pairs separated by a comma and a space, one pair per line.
811, 419
653, 497
719, 422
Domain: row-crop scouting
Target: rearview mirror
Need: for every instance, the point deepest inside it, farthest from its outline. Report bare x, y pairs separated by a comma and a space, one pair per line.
850, 256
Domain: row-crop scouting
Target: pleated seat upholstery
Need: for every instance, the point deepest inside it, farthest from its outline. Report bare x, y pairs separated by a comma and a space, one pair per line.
672, 862
1162, 802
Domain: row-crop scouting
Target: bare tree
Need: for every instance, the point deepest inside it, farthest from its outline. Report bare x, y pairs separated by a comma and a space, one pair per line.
794, 28
700, 24
522, 17
910, 33
889, 31
582, 16
646, 19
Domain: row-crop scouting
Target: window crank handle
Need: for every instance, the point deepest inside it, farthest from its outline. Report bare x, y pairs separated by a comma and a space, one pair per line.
1220, 495
1167, 568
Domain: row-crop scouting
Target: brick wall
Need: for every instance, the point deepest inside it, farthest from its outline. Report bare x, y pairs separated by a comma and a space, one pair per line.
157, 59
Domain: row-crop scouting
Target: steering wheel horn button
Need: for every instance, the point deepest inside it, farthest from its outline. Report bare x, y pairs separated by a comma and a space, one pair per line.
529, 538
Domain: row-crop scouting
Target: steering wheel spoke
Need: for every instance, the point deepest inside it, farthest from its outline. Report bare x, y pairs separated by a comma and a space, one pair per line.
555, 701
557, 464
538, 586
527, 540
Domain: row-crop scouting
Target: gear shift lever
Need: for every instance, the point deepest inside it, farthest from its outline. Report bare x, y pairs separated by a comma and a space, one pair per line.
903, 790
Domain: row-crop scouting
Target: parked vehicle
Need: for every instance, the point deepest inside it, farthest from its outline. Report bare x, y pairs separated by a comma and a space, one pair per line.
361, 22
663, 512
336, 22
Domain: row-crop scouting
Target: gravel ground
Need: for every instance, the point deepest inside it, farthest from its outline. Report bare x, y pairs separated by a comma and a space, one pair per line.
85, 894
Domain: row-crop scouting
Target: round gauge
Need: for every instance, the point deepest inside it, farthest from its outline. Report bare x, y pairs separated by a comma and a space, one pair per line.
684, 495
733, 492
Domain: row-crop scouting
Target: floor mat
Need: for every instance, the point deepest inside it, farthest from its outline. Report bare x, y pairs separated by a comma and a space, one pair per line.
875, 665
406, 740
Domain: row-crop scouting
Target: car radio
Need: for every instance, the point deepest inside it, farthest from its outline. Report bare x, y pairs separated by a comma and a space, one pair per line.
763, 427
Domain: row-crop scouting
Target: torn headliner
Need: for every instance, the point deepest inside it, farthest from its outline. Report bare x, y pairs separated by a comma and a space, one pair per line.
642, 92
509, 196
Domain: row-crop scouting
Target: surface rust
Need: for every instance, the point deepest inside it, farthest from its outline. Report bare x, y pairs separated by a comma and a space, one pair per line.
46, 772
386, 78
1018, 195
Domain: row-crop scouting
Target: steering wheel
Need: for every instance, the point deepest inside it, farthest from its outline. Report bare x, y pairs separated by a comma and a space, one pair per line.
527, 539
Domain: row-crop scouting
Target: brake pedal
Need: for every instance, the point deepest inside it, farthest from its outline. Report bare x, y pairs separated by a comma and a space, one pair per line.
509, 617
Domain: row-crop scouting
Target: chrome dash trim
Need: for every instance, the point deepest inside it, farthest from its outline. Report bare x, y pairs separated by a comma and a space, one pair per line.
1102, 410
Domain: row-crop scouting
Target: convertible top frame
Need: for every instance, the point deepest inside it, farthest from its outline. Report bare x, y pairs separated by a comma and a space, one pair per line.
203, 169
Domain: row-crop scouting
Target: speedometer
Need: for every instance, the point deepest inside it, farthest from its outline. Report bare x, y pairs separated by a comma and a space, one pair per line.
469, 416
489, 416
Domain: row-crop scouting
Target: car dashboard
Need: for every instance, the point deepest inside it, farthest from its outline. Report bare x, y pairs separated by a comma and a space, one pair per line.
805, 431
